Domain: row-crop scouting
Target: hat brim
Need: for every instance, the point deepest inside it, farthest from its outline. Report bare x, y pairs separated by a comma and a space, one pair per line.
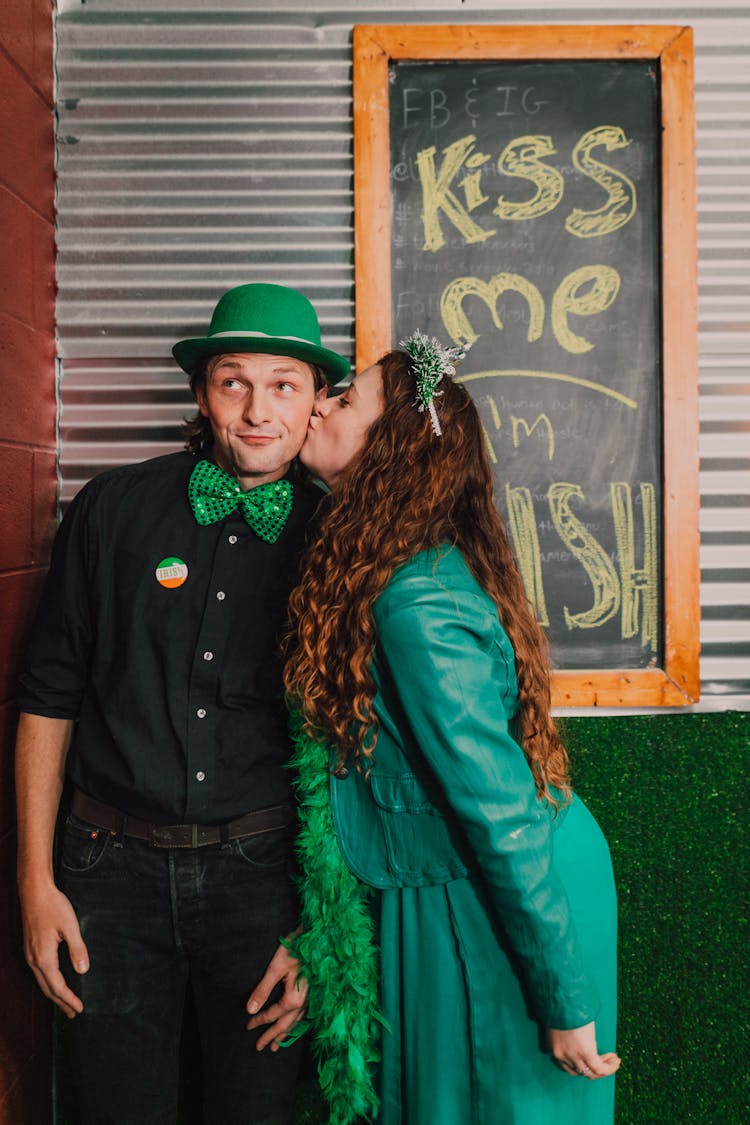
189, 352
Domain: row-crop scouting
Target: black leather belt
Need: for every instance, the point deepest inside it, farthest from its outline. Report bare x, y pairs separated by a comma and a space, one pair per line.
180, 835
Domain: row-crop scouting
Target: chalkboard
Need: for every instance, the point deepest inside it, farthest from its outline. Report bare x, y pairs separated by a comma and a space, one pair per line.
525, 217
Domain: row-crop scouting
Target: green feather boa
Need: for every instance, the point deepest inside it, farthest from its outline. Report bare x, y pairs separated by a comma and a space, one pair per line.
336, 947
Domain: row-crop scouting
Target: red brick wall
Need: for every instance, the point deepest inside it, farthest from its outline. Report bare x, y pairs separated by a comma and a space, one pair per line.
27, 485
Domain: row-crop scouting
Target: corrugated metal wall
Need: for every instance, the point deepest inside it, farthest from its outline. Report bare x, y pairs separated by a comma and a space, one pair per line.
204, 145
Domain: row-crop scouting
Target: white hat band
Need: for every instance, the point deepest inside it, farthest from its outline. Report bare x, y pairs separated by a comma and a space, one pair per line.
265, 336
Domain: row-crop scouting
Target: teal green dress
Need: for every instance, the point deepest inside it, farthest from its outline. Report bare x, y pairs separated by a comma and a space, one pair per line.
461, 1046
493, 916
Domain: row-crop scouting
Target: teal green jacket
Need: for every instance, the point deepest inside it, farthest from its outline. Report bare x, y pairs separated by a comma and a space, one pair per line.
451, 794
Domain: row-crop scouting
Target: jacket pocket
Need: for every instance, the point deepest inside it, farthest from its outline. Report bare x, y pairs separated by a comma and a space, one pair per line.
400, 792
417, 835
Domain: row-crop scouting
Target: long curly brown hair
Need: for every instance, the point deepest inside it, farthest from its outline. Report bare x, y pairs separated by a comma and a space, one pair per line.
409, 490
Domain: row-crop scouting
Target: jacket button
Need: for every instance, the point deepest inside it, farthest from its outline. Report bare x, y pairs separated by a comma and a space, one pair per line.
341, 773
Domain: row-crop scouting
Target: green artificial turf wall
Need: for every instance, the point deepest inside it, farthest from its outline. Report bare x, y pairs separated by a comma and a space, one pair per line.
670, 793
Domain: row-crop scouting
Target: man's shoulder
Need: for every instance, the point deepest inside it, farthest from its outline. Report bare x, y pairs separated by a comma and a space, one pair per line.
168, 470
307, 494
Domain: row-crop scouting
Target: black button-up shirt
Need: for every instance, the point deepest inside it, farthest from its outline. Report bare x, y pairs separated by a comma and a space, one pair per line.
161, 638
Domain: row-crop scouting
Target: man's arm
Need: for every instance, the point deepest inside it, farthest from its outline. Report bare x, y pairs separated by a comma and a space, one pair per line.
48, 918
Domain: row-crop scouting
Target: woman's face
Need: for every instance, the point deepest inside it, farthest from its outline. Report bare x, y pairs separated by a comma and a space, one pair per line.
338, 427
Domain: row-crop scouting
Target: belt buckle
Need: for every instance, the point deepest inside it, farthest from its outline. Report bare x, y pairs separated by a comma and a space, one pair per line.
166, 836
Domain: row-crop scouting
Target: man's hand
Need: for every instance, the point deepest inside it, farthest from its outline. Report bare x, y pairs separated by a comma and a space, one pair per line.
577, 1054
288, 1010
48, 919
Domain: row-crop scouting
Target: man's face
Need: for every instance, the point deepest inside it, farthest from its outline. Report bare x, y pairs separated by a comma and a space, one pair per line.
258, 407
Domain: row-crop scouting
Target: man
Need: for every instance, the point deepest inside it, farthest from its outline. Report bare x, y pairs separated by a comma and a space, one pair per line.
153, 681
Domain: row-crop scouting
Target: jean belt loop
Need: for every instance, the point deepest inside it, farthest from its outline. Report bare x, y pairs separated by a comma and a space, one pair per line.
119, 833
224, 835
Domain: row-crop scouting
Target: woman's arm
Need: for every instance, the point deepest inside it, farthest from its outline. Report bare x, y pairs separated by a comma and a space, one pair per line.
441, 650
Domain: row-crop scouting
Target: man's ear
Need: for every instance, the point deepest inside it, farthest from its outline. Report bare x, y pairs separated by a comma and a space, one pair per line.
320, 395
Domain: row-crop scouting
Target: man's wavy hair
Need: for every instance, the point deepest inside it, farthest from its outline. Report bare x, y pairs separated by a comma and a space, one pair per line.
196, 431
409, 490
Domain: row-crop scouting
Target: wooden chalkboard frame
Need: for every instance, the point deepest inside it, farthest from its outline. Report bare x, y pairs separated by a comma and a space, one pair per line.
678, 682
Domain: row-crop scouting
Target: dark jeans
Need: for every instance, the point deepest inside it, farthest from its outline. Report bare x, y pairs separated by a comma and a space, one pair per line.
158, 922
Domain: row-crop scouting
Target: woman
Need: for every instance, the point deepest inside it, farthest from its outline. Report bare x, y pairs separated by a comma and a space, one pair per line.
448, 858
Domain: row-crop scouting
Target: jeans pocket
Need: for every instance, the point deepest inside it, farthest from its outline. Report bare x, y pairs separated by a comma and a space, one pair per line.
268, 851
83, 845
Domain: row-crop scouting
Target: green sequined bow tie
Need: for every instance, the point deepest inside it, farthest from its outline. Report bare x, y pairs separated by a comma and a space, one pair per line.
213, 494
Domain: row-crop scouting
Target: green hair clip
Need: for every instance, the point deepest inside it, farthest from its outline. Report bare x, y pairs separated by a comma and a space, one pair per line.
430, 362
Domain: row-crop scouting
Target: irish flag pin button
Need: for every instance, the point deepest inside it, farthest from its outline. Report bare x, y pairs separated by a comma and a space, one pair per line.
171, 572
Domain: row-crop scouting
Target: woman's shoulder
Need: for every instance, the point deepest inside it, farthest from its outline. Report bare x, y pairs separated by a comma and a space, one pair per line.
435, 579
437, 566
434, 563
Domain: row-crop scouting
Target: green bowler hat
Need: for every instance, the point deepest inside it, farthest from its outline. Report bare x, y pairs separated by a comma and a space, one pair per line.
271, 319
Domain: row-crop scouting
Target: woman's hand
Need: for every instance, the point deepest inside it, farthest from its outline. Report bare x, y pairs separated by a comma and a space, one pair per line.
576, 1052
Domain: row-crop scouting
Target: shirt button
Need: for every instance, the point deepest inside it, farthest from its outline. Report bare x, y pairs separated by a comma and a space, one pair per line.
221, 595
208, 656
200, 776
232, 539
201, 712
341, 773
